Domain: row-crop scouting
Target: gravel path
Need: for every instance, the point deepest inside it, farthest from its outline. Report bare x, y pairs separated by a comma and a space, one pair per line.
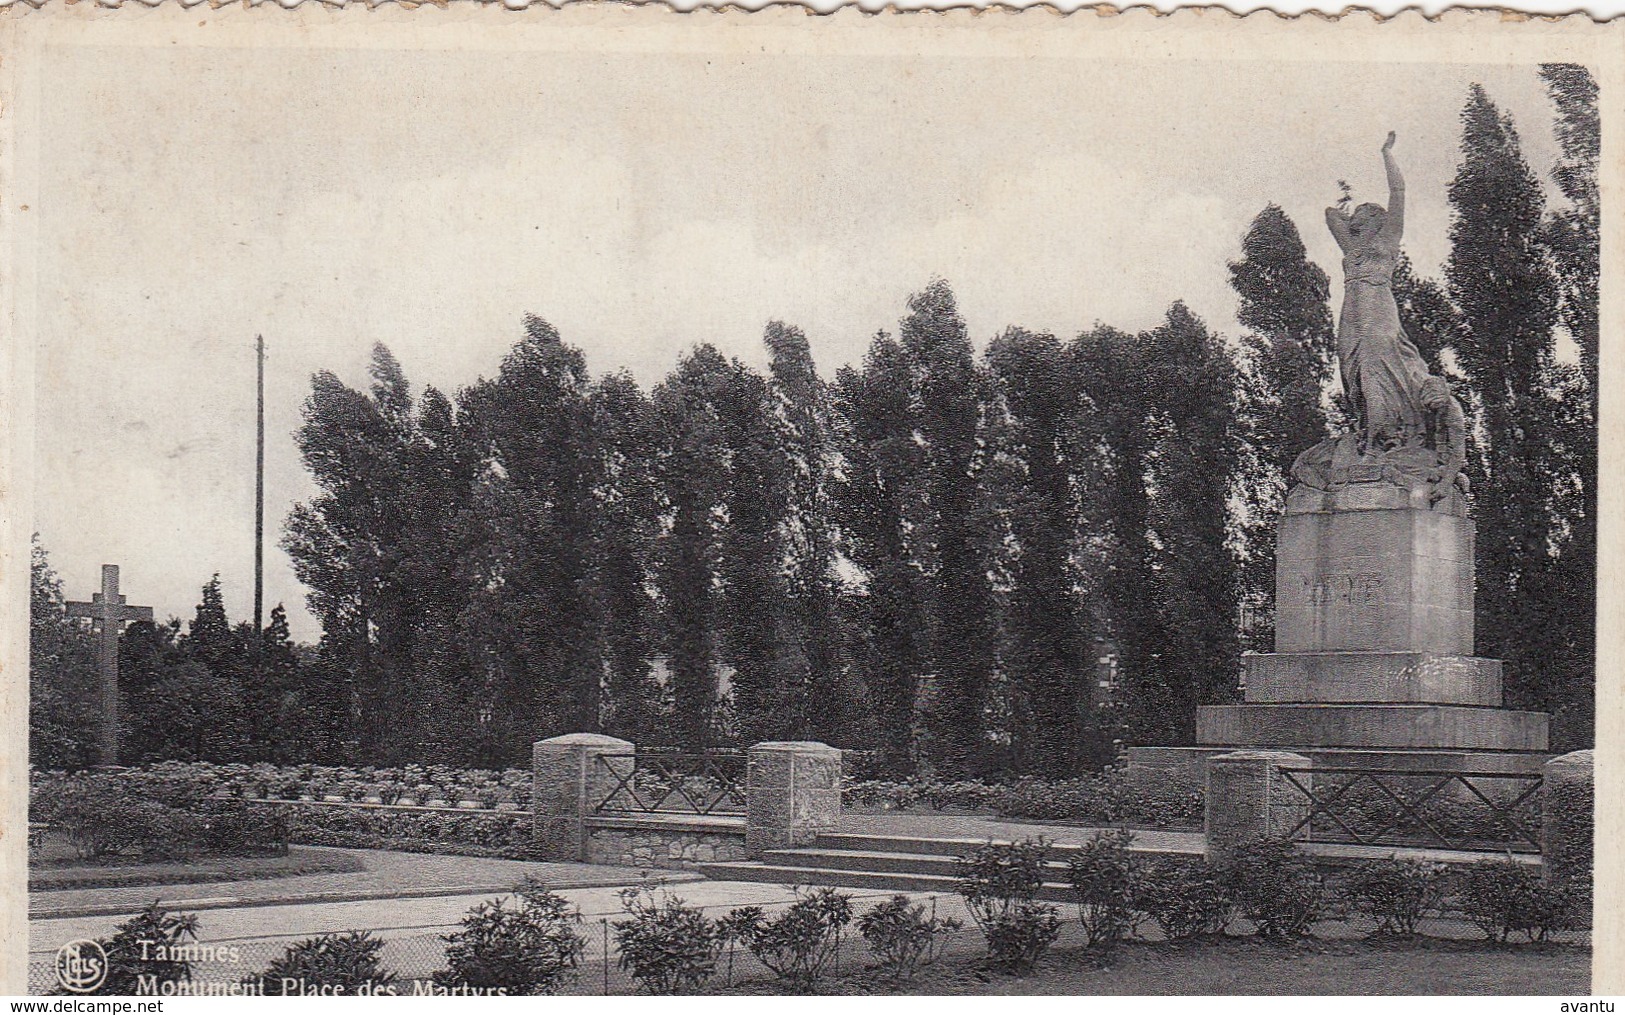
387, 873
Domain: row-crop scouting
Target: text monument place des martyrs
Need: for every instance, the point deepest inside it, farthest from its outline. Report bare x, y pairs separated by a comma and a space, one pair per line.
1373, 664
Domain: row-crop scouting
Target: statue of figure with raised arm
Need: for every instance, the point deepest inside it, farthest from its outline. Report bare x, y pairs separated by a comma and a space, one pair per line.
1408, 429
1381, 369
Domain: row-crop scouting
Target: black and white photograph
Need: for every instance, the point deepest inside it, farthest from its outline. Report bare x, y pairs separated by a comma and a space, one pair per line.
616, 502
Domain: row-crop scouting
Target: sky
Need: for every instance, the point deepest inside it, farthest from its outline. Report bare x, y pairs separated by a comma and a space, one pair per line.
641, 204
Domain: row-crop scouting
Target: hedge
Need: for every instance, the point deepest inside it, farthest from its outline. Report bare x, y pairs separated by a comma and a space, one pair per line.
469, 833
1107, 798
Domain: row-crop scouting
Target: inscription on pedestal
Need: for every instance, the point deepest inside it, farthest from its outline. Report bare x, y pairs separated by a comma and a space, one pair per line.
1354, 589
1385, 580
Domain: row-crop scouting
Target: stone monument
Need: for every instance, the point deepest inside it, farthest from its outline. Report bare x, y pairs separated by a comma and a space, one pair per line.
1373, 664
110, 612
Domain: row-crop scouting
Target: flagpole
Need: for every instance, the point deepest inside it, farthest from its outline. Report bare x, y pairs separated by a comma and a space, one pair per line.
259, 495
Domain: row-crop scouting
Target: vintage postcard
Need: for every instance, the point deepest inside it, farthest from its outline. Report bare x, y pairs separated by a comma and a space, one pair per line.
607, 501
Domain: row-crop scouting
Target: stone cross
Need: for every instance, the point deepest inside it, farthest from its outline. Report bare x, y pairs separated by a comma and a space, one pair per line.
108, 610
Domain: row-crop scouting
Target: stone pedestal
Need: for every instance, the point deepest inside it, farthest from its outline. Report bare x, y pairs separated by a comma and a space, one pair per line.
1374, 664
567, 782
1248, 798
792, 793
1369, 570
1567, 802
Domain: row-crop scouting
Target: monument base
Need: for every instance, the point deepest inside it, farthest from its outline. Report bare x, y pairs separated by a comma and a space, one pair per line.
1183, 768
1402, 727
1380, 677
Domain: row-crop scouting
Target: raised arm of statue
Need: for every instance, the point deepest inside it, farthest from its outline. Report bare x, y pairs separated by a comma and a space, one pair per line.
1337, 220
1393, 226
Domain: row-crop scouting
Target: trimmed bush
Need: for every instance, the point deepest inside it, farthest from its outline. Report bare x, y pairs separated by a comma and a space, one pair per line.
346, 964
525, 945
1106, 877
1276, 887
1396, 893
1503, 897
1000, 885
1106, 798
149, 948
802, 942
1186, 898
103, 816
232, 828
667, 946
902, 937
182, 784
465, 833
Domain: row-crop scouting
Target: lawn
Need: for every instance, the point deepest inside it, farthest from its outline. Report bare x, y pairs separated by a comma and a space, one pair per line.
129, 872
1250, 966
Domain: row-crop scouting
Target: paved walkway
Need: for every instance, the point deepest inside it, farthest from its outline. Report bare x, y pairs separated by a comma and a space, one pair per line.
388, 874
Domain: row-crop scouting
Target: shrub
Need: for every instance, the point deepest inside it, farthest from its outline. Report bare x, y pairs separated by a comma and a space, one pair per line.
1395, 893
527, 947
101, 818
1104, 798
149, 948
466, 833
1186, 898
1275, 886
1019, 937
343, 963
1000, 885
667, 946
800, 943
1503, 897
902, 937
232, 828
1106, 877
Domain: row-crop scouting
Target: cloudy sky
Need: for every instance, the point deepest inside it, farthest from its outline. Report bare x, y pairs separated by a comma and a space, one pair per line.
641, 204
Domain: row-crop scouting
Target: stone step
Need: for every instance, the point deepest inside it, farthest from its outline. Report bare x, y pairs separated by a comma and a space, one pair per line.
1457, 727
945, 847
880, 862
952, 848
897, 881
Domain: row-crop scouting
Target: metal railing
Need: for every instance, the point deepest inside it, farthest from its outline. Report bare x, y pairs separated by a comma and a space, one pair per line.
1471, 811
670, 782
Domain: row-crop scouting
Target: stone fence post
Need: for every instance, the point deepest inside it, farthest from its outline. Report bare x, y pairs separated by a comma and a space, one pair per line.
567, 781
792, 792
1248, 797
1567, 799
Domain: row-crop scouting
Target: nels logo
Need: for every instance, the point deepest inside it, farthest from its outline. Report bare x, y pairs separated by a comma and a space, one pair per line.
81, 966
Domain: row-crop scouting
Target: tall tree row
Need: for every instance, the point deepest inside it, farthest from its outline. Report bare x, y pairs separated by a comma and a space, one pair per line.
925, 554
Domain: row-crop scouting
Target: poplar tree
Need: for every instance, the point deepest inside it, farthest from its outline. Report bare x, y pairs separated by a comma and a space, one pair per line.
1506, 298
1191, 474
1045, 658
1116, 374
879, 508
628, 519
691, 470
1290, 345
1572, 237
950, 393
802, 412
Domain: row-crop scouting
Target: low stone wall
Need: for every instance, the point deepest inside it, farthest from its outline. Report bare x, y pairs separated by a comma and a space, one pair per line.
662, 843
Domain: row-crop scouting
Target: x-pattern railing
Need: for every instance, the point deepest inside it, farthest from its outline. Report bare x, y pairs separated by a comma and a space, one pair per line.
1324, 802
673, 783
